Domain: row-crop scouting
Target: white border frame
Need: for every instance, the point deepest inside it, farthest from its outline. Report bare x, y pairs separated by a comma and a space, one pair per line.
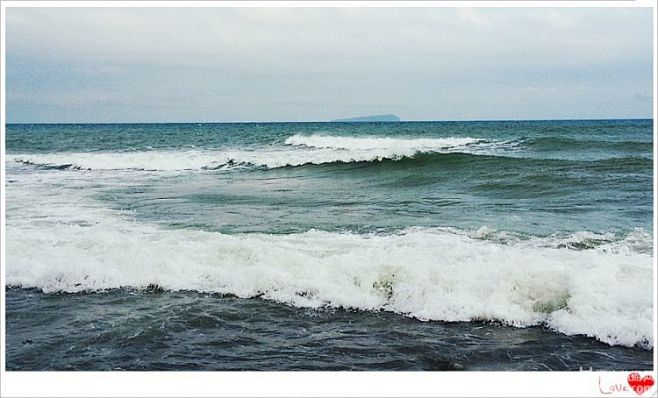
315, 384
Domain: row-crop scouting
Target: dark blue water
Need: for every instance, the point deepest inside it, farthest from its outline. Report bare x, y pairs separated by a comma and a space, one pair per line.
485, 245
124, 330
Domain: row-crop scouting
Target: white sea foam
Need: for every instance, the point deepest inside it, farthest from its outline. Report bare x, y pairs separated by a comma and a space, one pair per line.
637, 241
407, 145
298, 150
60, 240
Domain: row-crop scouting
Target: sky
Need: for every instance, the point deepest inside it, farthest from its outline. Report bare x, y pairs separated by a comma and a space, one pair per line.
112, 65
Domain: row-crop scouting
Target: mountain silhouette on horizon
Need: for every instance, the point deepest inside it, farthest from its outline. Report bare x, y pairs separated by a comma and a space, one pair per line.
371, 118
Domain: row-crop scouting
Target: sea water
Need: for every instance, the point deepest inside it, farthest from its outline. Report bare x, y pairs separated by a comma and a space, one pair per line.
520, 245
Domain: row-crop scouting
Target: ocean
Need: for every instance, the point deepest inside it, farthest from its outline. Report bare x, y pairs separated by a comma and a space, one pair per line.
506, 245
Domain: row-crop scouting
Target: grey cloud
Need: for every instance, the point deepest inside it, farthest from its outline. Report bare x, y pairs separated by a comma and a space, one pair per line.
177, 64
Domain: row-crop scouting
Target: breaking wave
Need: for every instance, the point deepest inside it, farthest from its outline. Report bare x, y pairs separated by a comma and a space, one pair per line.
390, 144
592, 284
297, 150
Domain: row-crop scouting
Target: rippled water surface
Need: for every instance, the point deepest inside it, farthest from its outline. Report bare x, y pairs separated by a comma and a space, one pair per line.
191, 331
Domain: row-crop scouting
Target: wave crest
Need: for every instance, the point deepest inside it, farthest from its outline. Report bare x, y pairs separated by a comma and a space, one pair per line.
430, 274
297, 151
390, 144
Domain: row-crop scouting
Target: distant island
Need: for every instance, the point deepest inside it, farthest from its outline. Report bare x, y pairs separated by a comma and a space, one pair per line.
371, 118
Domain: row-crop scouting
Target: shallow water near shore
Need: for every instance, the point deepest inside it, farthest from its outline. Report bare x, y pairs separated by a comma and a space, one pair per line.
130, 330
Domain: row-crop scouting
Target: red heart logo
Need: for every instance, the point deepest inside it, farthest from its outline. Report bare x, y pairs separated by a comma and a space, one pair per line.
640, 384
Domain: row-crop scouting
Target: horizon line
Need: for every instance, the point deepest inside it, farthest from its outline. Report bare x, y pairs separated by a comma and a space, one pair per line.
337, 122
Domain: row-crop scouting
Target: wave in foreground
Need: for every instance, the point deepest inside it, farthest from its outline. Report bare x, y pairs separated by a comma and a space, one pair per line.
431, 274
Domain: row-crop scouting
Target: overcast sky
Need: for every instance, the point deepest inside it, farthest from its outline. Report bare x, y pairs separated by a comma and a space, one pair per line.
307, 64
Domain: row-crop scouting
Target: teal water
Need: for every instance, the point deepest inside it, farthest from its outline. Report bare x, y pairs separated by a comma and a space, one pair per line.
545, 225
529, 177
